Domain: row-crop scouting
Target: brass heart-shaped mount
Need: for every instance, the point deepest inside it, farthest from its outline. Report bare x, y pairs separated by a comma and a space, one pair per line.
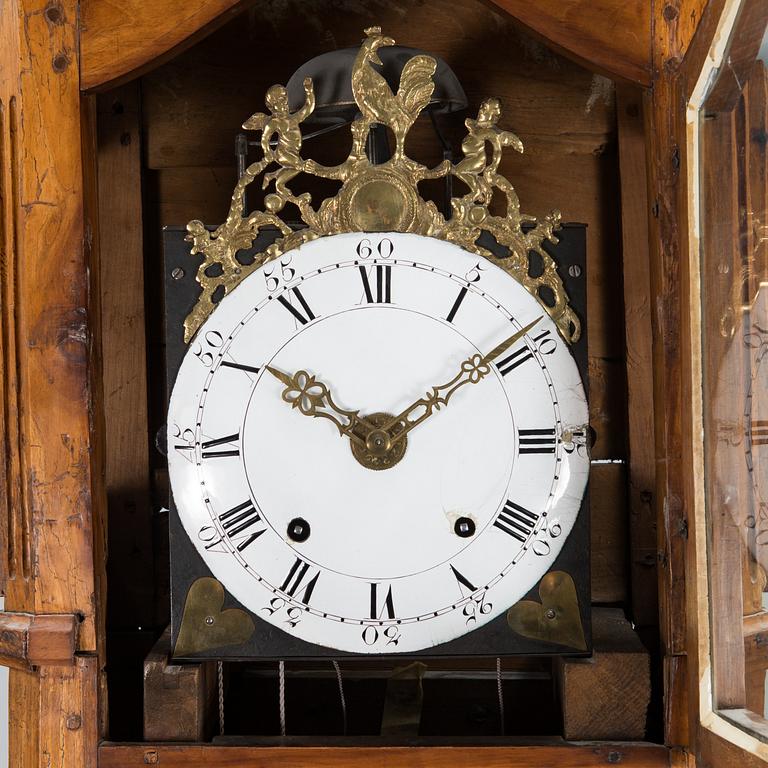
205, 626
556, 619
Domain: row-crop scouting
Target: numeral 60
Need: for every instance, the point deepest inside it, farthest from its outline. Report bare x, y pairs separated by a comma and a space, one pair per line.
385, 248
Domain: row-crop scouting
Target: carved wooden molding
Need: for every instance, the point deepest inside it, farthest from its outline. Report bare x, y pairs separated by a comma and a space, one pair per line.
28, 640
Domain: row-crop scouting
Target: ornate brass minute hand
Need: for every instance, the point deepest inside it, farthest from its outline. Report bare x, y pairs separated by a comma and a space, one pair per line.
472, 370
313, 398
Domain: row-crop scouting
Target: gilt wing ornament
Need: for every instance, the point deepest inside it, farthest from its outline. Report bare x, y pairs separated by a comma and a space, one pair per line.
380, 198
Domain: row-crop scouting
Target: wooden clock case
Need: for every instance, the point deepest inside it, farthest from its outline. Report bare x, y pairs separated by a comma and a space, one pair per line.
116, 121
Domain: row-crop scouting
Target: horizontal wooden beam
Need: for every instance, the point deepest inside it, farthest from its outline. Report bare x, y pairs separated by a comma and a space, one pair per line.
606, 36
28, 640
564, 756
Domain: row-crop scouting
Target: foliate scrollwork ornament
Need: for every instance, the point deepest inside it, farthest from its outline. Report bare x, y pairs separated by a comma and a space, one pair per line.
379, 198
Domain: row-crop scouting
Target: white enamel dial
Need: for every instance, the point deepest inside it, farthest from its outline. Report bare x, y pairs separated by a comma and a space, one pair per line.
319, 544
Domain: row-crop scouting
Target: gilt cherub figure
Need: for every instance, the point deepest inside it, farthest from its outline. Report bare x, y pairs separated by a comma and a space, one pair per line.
480, 175
281, 141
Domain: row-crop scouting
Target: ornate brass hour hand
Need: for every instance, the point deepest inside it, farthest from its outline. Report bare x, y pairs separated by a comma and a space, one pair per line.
474, 369
313, 398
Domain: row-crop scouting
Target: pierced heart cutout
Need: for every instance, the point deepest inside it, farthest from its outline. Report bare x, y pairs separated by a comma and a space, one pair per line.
205, 626
556, 619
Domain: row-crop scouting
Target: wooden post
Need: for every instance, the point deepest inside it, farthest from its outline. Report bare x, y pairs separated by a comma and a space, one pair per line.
179, 699
49, 360
606, 696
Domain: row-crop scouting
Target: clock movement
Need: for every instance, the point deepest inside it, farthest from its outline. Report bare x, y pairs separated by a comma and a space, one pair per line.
377, 435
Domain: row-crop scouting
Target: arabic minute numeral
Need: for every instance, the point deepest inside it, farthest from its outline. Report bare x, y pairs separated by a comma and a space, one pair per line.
205, 347
291, 614
551, 528
384, 248
545, 345
387, 636
477, 606
276, 273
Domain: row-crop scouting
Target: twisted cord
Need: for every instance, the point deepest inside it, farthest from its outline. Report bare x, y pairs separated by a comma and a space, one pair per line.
341, 695
501, 694
220, 675
281, 686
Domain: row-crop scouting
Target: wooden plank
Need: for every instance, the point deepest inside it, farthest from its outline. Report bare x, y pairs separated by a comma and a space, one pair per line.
606, 696
609, 37
637, 319
178, 698
124, 367
195, 104
674, 24
608, 532
627, 755
63, 731
119, 41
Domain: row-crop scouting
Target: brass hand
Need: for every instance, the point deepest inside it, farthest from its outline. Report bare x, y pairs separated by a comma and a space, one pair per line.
472, 370
313, 398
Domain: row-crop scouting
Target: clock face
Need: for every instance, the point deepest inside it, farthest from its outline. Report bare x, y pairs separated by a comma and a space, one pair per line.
353, 461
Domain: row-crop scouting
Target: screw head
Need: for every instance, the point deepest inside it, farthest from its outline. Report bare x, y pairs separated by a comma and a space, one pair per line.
550, 614
177, 273
574, 270
464, 527
209, 620
298, 529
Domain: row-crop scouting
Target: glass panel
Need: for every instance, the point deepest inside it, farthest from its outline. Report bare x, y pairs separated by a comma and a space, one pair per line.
734, 261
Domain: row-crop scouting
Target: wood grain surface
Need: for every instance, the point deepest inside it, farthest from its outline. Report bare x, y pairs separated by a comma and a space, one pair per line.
609, 37
51, 462
119, 40
627, 755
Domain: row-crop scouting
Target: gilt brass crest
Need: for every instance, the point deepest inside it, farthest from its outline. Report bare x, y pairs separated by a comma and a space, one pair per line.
380, 198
